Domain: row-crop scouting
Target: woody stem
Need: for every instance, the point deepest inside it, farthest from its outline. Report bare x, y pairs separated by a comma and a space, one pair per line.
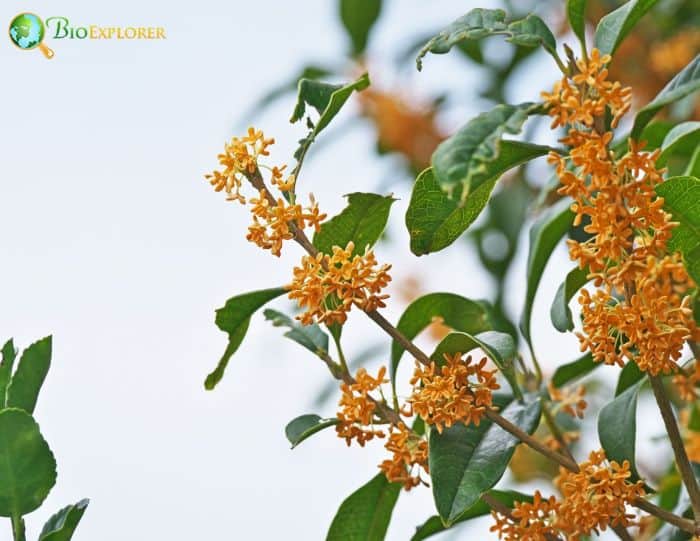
556, 432
674, 435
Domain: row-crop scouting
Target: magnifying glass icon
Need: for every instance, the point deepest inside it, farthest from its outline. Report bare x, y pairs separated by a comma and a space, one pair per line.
27, 32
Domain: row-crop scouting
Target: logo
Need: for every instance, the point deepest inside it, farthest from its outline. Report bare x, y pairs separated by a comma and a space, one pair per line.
27, 32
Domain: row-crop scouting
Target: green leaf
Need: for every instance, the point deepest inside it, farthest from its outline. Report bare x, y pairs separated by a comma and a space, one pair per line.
480, 23
682, 199
685, 134
304, 426
309, 336
498, 346
27, 466
358, 17
457, 312
365, 514
435, 220
466, 461
23, 390
362, 222
327, 99
560, 312
617, 428
8, 360
629, 375
545, 234
234, 318
576, 13
684, 83
434, 524
614, 27
62, 525
574, 370
462, 159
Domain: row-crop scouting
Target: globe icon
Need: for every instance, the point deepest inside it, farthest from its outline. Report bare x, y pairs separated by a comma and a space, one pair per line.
27, 32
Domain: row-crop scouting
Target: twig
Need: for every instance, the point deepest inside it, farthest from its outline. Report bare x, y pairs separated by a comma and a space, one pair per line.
684, 467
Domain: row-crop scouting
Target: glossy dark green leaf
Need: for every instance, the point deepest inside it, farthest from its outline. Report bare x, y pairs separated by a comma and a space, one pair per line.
457, 312
304, 426
682, 199
309, 336
358, 17
685, 134
462, 159
365, 514
233, 318
574, 370
9, 353
434, 524
629, 375
617, 427
545, 234
24, 387
560, 312
362, 221
576, 13
615, 26
62, 525
27, 466
684, 83
498, 346
466, 461
480, 23
435, 220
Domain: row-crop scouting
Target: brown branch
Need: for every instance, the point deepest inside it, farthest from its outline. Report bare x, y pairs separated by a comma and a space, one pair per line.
682, 461
684, 524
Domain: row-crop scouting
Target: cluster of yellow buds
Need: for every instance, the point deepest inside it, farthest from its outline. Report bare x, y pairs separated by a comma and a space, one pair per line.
640, 311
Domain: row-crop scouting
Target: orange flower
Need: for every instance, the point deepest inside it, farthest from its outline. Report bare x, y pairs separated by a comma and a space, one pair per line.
687, 383
458, 391
528, 521
408, 452
570, 401
328, 286
273, 224
356, 413
595, 497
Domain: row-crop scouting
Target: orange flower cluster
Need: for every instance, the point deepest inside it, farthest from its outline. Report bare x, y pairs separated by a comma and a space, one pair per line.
356, 413
458, 391
273, 224
528, 521
570, 401
641, 313
584, 96
691, 438
239, 159
402, 126
273, 221
670, 56
687, 383
593, 499
409, 456
596, 497
327, 286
